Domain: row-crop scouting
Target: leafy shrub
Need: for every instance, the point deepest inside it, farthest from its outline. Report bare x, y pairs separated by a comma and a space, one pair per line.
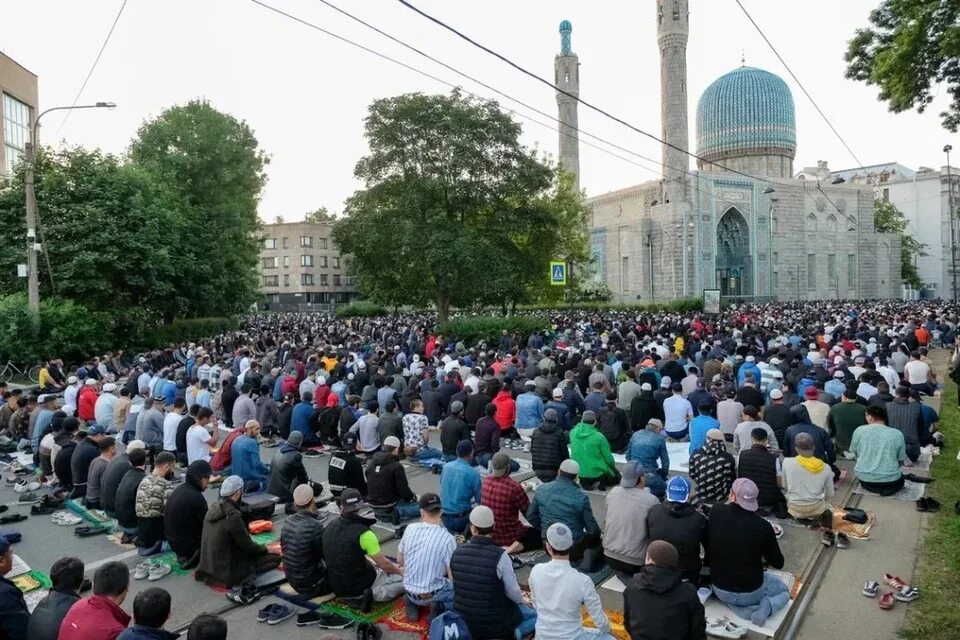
361, 309
680, 305
66, 329
191, 329
476, 329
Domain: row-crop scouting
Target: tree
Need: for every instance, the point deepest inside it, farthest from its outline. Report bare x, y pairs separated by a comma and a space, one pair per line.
213, 165
910, 46
454, 209
888, 219
319, 215
106, 227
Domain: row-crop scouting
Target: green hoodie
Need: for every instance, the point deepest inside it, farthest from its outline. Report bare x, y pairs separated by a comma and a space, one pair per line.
591, 451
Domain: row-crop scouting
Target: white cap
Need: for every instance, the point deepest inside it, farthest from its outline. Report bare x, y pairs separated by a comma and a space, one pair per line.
109, 387
90, 382
570, 466
751, 359
776, 394
774, 361
391, 441
72, 380
646, 387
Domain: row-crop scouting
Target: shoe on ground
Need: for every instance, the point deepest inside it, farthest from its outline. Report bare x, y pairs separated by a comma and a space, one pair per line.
264, 614
907, 594
723, 628
870, 588
158, 570
894, 581
333, 621
141, 571
280, 613
127, 538
843, 541
887, 600
827, 539
28, 497
307, 619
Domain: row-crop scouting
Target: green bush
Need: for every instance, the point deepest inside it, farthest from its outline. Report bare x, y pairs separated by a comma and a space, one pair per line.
191, 329
66, 330
476, 329
362, 309
681, 305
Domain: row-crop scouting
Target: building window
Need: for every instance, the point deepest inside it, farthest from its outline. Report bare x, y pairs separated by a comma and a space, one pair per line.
832, 223
306, 261
271, 281
306, 241
286, 279
832, 268
286, 243
811, 223
775, 224
336, 279
270, 263
324, 279
286, 262
16, 129
306, 279
336, 262
852, 269
776, 280
776, 258
323, 261
270, 243
322, 243
274, 298
811, 270
886, 194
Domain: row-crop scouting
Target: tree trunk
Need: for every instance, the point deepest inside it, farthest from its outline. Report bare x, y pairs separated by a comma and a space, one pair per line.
443, 307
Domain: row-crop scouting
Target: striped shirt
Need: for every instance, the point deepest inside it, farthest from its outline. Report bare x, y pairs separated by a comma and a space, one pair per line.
427, 549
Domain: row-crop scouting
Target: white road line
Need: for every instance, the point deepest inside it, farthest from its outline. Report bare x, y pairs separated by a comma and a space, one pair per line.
93, 566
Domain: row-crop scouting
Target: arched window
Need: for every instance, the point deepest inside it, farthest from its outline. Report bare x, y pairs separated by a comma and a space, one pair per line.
811, 223
832, 223
775, 224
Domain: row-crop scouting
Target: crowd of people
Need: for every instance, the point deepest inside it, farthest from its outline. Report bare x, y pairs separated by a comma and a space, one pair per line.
766, 396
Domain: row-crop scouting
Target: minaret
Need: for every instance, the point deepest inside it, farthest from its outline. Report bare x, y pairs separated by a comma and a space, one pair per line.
567, 67
673, 28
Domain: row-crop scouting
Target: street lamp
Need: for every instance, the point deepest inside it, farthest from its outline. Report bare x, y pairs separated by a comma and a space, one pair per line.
953, 238
33, 281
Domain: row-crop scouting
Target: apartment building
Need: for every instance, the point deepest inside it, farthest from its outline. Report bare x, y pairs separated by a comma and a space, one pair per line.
301, 269
18, 108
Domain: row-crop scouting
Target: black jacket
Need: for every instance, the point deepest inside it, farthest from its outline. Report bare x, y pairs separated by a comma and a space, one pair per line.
183, 516
613, 424
227, 552
14, 616
758, 464
822, 443
227, 399
779, 418
348, 570
740, 542
126, 500
182, 427
480, 597
658, 605
452, 430
346, 471
548, 448
112, 475
434, 406
684, 527
301, 540
63, 465
87, 450
284, 413
50, 612
387, 481
473, 411
286, 472
642, 409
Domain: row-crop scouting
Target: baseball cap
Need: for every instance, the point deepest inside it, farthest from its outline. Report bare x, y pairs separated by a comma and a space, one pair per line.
558, 394
481, 517
746, 492
589, 417
629, 475
135, 444
392, 442
655, 421
499, 464
559, 536
430, 502
295, 438
303, 495
714, 434
96, 429
776, 394
4, 546
570, 467
838, 374
678, 489
646, 387
350, 501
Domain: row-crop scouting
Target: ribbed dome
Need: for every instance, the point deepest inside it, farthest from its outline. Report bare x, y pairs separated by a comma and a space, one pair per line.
748, 111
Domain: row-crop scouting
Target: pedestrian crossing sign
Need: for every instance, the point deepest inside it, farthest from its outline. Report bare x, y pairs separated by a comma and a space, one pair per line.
558, 274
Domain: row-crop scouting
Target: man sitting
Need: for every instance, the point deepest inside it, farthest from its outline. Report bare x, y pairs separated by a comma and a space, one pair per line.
700, 425
507, 499
416, 434
245, 459
680, 523
126, 495
740, 544
459, 488
228, 556
426, 549
287, 471
809, 485
658, 603
713, 469
100, 617
563, 501
301, 541
387, 487
356, 567
113, 474
558, 592
487, 594
453, 430
185, 512
151, 610
765, 470
879, 451
625, 527
108, 449
346, 470
14, 615
648, 448
548, 447
152, 495
67, 576
591, 450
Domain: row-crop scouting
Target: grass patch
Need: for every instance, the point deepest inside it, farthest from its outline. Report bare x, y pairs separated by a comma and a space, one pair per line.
936, 616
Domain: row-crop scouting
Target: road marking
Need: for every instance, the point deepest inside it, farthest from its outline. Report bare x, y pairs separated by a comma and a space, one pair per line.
93, 566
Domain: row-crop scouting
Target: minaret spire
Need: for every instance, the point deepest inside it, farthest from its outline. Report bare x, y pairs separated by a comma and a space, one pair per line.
567, 79
673, 29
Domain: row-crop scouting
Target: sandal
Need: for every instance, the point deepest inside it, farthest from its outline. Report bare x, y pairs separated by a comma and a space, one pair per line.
887, 601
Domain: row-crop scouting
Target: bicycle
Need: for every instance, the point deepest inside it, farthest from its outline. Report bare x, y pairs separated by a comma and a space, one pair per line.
10, 371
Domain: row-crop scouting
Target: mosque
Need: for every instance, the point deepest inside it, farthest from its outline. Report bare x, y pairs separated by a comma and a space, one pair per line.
740, 222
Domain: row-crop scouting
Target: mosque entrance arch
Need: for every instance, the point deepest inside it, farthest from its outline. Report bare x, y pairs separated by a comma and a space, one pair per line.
734, 265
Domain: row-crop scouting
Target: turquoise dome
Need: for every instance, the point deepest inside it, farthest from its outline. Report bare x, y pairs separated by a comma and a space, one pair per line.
566, 25
748, 111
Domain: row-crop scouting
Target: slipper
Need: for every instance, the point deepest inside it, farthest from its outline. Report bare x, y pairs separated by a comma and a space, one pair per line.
86, 532
16, 517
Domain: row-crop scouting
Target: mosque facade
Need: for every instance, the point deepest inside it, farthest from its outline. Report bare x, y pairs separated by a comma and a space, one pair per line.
740, 222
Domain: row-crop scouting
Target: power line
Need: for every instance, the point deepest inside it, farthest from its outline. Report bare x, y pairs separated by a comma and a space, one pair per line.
93, 68
589, 105
805, 92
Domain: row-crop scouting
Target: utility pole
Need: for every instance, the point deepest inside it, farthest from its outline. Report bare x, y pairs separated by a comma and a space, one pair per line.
953, 237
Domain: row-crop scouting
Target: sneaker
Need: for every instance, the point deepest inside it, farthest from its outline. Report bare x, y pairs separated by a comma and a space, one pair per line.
267, 612
306, 619
887, 601
158, 570
28, 497
827, 539
723, 628
333, 621
62, 518
894, 581
870, 588
843, 541
907, 594
280, 613
141, 571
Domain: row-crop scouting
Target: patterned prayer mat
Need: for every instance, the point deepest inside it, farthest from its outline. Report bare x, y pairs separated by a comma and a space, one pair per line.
343, 608
911, 492
170, 558
398, 621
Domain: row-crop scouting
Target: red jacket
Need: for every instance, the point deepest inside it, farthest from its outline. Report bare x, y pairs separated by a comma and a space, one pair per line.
320, 397
93, 618
506, 409
222, 458
289, 385
86, 400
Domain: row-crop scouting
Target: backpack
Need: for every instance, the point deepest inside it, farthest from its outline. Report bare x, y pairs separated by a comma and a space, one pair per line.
448, 626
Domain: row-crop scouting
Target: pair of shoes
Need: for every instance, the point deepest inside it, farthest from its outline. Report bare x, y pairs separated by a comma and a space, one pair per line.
63, 518
827, 539
28, 497
246, 593
22, 485
275, 613
151, 570
902, 591
323, 620
928, 505
831, 538
41, 509
86, 532
723, 628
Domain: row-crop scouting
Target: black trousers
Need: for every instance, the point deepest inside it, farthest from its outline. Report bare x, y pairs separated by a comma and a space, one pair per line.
884, 488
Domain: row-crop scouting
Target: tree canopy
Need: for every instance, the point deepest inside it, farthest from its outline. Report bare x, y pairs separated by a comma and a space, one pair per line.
888, 219
454, 209
910, 47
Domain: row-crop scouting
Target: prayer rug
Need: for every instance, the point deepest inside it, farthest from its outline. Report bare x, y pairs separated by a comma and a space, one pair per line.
170, 558
911, 492
115, 538
90, 515
266, 537
32, 580
617, 627
716, 609
33, 598
345, 608
598, 576
852, 529
398, 621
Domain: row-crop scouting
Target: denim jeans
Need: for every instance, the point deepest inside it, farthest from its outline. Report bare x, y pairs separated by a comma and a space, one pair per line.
483, 460
528, 621
443, 597
757, 606
408, 510
656, 484
455, 524
427, 453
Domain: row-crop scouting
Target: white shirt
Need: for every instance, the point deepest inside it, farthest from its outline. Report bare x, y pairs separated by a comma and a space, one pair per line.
891, 376
70, 399
103, 410
427, 549
676, 410
170, 422
307, 385
197, 447
916, 372
558, 591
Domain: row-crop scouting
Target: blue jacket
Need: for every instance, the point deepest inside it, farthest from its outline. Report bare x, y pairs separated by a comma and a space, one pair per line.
245, 460
140, 632
278, 389
562, 501
459, 487
742, 373
647, 447
169, 392
300, 419
698, 430
14, 615
529, 411
563, 414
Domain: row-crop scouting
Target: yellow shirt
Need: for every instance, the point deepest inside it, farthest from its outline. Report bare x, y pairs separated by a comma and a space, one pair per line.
45, 380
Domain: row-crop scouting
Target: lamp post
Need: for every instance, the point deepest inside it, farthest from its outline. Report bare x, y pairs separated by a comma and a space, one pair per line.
33, 280
953, 237
650, 258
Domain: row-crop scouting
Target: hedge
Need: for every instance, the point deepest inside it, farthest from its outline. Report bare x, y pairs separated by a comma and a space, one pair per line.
361, 309
474, 330
191, 329
680, 305
66, 330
